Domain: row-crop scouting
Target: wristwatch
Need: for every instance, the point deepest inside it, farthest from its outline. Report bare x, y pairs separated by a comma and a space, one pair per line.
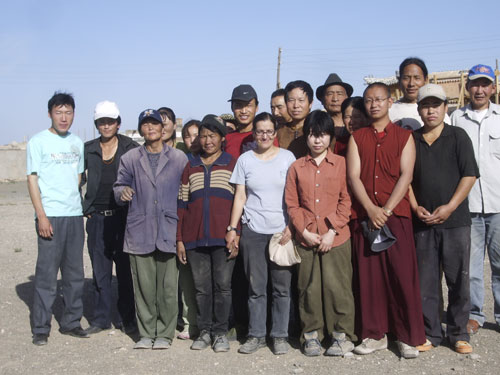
230, 228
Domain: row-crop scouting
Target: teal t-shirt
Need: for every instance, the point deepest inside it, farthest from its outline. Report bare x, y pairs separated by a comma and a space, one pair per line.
57, 160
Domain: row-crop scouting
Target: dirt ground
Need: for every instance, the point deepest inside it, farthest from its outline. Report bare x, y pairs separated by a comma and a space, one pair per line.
110, 352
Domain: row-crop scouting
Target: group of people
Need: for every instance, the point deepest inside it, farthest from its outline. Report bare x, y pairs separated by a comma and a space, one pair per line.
379, 200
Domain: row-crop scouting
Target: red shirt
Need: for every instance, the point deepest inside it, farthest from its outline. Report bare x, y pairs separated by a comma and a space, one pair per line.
380, 157
237, 143
317, 197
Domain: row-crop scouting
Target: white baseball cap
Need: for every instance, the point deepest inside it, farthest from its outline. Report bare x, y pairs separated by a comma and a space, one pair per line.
106, 109
431, 90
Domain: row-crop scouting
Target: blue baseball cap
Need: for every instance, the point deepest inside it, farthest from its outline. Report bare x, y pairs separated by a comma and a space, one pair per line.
481, 71
150, 113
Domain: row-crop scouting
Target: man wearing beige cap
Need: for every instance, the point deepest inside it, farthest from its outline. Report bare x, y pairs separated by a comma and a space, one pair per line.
445, 171
106, 221
481, 121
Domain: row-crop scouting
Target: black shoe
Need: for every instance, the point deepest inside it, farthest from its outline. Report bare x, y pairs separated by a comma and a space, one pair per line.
94, 329
40, 339
76, 332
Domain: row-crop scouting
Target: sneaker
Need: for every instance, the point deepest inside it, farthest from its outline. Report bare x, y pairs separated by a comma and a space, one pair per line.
144, 343
184, 335
203, 341
407, 351
280, 345
161, 343
425, 347
312, 346
252, 345
340, 345
368, 345
220, 344
463, 347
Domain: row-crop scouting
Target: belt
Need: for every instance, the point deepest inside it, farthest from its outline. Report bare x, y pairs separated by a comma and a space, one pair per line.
110, 212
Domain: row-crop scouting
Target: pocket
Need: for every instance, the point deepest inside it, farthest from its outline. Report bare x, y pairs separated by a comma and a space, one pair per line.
169, 226
135, 230
494, 142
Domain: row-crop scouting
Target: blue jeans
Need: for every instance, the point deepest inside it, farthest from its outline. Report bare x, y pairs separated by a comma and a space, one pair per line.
485, 235
254, 249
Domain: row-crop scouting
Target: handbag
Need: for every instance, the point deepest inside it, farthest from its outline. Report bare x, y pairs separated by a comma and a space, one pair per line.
283, 255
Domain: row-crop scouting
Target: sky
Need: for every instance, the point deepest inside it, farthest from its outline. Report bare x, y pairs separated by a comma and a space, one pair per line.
189, 55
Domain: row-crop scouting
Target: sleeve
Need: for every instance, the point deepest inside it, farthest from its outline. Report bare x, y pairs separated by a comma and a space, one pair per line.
238, 176
182, 200
298, 215
341, 216
125, 178
465, 155
33, 158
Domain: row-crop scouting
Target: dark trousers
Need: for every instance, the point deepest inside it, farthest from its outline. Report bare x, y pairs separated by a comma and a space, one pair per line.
212, 273
254, 248
63, 251
449, 250
105, 244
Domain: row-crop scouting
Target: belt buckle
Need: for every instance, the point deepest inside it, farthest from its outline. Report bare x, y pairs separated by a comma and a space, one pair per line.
108, 212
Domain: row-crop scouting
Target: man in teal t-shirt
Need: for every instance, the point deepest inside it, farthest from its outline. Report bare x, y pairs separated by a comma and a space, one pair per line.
54, 167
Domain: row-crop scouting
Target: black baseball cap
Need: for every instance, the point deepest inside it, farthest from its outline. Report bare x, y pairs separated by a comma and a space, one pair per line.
244, 93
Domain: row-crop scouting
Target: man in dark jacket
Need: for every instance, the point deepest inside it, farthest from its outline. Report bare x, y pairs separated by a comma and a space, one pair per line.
106, 221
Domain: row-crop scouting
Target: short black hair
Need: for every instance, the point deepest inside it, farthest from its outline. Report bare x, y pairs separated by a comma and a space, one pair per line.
413, 60
263, 116
61, 98
187, 125
118, 120
317, 123
303, 85
213, 128
167, 112
355, 102
378, 84
279, 92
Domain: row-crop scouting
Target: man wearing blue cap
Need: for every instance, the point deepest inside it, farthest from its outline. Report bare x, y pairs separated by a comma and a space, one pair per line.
481, 120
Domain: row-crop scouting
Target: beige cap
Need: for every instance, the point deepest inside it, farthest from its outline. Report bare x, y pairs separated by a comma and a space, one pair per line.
431, 90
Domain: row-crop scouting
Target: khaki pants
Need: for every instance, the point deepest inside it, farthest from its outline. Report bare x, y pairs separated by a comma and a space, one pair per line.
326, 302
155, 290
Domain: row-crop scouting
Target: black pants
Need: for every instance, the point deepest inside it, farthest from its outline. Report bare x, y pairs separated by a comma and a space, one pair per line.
105, 244
449, 250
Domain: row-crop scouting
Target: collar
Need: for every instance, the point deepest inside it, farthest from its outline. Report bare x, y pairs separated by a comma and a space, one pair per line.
223, 159
329, 158
446, 132
388, 128
492, 108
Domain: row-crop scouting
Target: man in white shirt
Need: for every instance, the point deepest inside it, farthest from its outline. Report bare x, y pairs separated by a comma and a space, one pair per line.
481, 120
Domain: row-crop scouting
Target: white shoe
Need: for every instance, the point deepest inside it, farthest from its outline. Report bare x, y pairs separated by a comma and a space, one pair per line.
368, 345
407, 351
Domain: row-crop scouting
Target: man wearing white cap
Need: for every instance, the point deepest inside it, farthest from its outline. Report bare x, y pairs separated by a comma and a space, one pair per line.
481, 120
106, 221
445, 171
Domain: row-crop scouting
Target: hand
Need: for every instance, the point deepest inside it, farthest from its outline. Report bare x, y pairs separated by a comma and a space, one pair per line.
326, 241
45, 229
423, 214
286, 235
230, 237
181, 252
440, 215
378, 217
311, 239
233, 247
127, 194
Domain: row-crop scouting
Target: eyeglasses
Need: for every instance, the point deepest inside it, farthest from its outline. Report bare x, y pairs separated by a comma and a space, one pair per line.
266, 132
369, 101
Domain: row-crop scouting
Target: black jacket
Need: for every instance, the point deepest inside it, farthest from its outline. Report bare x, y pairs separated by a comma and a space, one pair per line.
93, 164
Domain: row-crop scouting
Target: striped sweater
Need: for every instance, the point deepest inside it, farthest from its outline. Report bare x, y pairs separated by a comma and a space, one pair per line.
204, 202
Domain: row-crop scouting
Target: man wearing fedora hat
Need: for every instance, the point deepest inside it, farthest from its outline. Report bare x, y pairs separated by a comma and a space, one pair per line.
445, 171
332, 94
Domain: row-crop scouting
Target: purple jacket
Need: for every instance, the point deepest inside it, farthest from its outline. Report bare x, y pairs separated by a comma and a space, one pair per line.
152, 213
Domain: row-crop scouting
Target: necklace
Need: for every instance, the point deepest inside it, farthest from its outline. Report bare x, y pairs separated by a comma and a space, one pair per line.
109, 161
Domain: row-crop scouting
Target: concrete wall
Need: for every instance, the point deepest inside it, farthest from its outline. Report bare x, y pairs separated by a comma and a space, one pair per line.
12, 164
